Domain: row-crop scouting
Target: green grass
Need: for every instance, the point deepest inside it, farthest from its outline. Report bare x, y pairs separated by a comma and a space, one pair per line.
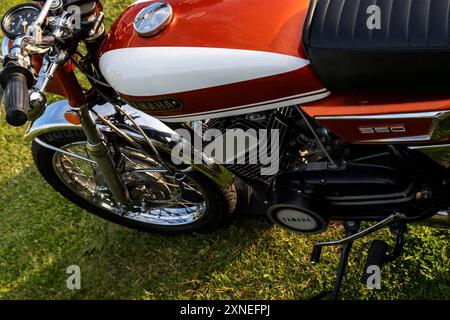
41, 234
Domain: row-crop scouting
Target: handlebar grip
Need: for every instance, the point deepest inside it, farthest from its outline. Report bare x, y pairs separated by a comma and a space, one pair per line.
17, 100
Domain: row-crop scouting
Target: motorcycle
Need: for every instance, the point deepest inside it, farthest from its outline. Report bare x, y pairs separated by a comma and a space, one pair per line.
354, 95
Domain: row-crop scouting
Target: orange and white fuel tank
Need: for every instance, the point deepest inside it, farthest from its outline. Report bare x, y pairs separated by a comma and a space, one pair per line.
211, 58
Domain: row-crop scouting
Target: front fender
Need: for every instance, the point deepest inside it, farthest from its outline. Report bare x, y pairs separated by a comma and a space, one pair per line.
53, 120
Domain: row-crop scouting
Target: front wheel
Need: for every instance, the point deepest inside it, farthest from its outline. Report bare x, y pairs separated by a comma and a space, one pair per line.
159, 203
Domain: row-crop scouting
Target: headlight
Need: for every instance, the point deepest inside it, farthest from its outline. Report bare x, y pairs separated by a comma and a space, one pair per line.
153, 19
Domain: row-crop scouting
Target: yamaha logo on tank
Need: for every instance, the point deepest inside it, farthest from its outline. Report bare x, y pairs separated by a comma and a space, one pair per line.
163, 105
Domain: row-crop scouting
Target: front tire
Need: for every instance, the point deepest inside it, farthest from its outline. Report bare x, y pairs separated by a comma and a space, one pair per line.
212, 210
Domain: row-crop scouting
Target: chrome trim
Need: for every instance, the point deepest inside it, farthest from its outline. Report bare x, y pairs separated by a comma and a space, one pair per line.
149, 10
5, 47
440, 128
43, 14
46, 73
145, 170
430, 147
150, 170
438, 153
48, 146
431, 114
401, 139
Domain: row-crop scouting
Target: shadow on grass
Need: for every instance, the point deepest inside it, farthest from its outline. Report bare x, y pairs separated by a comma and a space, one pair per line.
41, 234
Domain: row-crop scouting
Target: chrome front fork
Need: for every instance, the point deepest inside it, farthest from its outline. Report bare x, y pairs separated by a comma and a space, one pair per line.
99, 151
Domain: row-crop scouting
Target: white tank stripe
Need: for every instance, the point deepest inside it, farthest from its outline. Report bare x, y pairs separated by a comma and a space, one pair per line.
153, 71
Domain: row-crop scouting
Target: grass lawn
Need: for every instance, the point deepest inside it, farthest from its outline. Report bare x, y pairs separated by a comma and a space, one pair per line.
41, 234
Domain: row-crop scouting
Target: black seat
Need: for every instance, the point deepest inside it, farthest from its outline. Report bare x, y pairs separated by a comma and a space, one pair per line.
398, 45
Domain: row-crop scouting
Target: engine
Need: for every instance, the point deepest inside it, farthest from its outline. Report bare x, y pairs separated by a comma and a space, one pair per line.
308, 192
305, 200
274, 120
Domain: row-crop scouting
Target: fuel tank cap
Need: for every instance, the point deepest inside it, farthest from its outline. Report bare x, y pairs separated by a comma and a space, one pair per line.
153, 19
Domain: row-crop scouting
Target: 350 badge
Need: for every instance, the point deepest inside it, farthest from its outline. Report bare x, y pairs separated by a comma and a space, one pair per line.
383, 129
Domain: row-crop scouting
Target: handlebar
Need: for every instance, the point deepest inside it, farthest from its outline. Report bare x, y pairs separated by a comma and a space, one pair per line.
18, 76
16, 80
17, 101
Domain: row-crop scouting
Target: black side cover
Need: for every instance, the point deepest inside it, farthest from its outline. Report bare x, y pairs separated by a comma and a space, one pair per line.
408, 50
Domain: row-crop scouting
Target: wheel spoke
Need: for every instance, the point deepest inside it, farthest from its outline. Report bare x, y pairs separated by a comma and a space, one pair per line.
161, 200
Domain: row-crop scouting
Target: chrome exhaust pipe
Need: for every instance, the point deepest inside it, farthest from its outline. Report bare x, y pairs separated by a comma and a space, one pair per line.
441, 219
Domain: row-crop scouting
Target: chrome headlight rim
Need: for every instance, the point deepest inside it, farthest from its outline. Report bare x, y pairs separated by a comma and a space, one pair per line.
5, 49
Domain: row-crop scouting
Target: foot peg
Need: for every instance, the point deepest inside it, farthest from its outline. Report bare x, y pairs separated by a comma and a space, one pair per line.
376, 257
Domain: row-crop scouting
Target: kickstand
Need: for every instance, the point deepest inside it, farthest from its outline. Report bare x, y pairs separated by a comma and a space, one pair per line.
352, 233
351, 228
